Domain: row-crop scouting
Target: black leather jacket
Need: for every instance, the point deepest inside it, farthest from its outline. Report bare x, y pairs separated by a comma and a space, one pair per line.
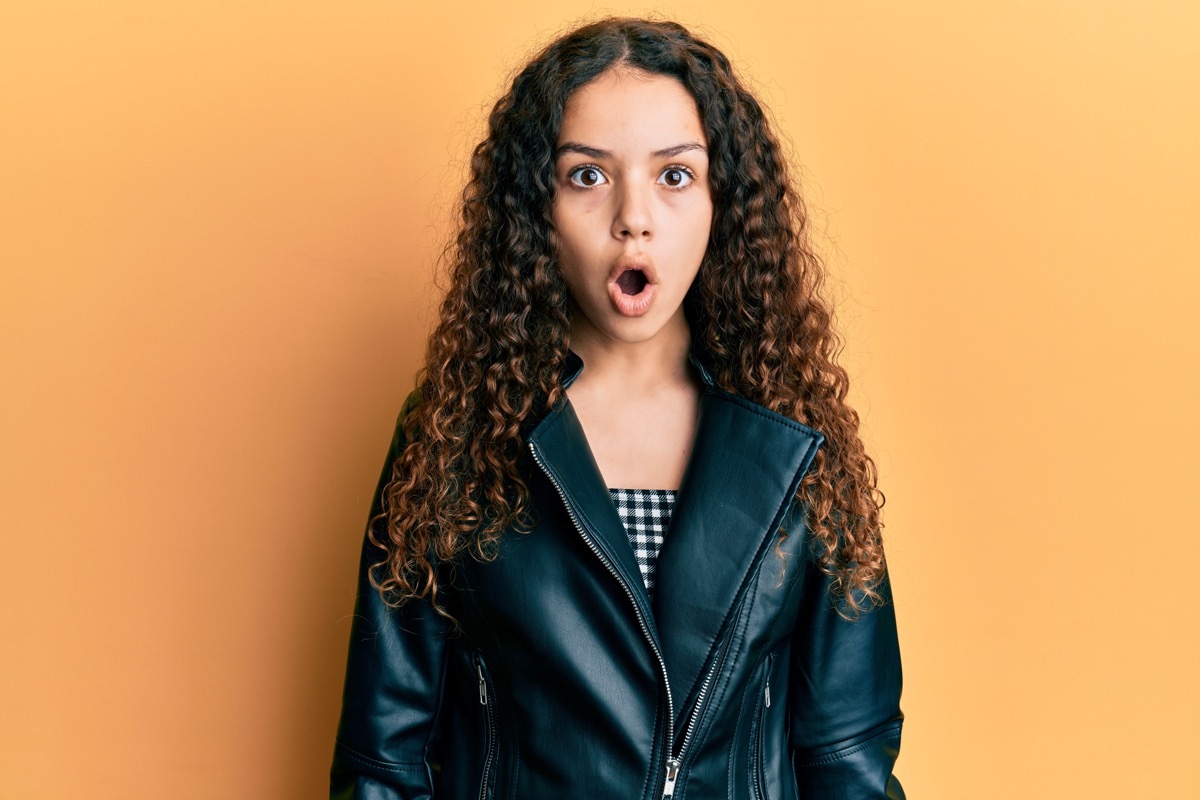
740, 680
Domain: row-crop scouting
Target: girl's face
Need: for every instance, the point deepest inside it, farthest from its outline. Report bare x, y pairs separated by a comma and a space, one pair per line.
632, 205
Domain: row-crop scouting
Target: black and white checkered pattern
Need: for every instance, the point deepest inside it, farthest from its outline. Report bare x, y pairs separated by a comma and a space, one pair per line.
645, 514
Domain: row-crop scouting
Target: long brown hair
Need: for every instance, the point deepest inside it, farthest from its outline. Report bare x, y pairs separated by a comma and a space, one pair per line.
496, 357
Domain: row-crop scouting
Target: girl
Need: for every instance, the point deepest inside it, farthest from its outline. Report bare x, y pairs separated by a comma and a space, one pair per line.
627, 541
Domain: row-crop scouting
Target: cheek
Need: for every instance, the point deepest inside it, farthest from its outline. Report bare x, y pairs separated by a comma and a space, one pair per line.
561, 239
704, 225
566, 255
567, 226
699, 227
697, 235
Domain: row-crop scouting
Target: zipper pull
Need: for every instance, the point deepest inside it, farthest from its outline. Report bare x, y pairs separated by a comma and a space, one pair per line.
482, 683
672, 774
767, 687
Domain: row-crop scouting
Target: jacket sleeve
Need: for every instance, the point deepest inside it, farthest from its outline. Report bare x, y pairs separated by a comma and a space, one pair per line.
844, 697
393, 690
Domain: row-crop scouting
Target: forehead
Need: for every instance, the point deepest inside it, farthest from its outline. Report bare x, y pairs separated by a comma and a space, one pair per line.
633, 108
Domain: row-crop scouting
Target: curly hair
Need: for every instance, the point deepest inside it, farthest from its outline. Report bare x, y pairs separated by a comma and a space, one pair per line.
496, 357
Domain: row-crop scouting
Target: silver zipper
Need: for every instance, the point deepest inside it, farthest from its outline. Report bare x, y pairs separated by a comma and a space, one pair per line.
693, 718
672, 765
756, 764
483, 700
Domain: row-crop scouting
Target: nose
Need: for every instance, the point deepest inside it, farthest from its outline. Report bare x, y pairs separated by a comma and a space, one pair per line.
632, 218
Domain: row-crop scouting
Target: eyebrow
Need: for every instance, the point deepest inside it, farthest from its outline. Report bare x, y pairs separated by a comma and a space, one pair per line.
595, 152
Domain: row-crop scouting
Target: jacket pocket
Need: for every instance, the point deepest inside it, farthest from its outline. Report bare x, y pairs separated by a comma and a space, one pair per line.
757, 732
486, 699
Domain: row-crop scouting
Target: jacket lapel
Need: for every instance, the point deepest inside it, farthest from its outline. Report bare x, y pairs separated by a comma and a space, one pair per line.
745, 468
561, 450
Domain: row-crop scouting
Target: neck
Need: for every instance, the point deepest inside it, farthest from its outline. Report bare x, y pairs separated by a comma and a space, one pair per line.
635, 366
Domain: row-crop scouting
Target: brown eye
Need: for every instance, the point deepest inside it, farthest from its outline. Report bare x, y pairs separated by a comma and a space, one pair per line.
675, 177
587, 177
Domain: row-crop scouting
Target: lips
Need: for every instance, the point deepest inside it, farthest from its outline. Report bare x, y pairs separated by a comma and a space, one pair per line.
631, 286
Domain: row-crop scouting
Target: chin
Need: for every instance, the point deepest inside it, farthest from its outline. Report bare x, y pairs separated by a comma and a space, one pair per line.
635, 331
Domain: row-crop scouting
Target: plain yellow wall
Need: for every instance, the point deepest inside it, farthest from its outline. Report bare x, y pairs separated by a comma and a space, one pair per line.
217, 229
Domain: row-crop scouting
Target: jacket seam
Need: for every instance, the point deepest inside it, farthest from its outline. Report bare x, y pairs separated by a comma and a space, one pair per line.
760, 412
516, 766
838, 755
743, 612
737, 730
746, 613
387, 766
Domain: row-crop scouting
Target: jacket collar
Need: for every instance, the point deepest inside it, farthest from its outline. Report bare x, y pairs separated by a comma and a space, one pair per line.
744, 470
574, 366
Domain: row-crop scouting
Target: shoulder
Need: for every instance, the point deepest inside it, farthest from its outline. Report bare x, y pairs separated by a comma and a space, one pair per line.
412, 401
399, 439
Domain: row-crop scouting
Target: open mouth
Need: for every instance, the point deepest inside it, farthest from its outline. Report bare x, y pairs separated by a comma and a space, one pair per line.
632, 281
632, 285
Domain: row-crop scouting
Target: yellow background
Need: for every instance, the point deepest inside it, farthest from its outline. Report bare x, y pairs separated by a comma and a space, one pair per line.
217, 228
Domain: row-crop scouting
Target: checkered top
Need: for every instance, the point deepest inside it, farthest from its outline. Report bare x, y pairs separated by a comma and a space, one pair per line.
646, 514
